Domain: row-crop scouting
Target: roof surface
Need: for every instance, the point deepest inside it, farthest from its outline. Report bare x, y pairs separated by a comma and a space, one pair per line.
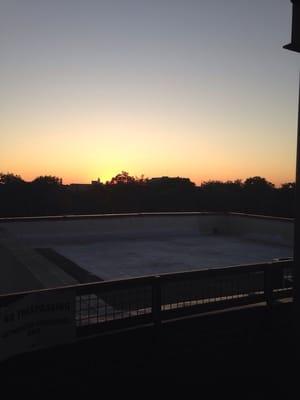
82, 250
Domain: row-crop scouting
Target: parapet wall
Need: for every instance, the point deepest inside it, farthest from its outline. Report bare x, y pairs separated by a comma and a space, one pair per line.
259, 228
82, 229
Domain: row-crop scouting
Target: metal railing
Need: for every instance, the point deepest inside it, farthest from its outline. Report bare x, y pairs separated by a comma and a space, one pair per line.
153, 299
110, 305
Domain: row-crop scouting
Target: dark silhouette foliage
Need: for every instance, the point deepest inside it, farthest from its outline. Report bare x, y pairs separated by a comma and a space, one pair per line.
10, 179
47, 180
46, 195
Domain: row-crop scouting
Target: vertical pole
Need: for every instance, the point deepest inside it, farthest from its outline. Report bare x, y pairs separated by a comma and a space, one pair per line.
268, 284
156, 301
297, 226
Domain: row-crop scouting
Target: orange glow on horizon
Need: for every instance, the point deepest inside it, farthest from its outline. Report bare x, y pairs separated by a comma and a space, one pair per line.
88, 177
199, 90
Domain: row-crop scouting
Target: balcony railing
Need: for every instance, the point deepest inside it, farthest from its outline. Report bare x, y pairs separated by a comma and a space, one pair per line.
110, 305
153, 299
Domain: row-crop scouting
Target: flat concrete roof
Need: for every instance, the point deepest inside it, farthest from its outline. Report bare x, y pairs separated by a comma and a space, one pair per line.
128, 258
22, 268
113, 248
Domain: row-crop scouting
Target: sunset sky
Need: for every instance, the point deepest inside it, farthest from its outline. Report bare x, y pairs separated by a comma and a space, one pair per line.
192, 88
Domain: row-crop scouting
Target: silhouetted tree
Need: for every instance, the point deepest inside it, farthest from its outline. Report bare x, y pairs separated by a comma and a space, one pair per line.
47, 180
288, 186
216, 195
259, 196
286, 199
122, 179
258, 184
10, 179
46, 195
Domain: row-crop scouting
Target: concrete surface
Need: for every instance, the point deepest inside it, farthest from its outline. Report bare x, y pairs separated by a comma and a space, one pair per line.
22, 268
113, 247
116, 259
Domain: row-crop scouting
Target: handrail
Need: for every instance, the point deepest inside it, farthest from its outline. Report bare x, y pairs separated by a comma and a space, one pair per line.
65, 217
108, 306
108, 216
142, 280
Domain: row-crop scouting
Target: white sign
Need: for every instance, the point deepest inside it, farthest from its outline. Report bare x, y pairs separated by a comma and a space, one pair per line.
36, 320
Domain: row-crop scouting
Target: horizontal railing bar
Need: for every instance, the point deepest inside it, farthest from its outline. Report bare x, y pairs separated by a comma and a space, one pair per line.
109, 216
141, 214
147, 280
209, 306
218, 271
258, 216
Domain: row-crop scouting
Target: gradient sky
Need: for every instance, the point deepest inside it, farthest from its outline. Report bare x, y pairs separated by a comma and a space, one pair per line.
194, 88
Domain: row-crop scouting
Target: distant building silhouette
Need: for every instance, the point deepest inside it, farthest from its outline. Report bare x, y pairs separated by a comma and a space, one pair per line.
79, 187
97, 182
83, 187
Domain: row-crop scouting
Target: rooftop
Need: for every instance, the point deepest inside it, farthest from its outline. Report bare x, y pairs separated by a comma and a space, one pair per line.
50, 252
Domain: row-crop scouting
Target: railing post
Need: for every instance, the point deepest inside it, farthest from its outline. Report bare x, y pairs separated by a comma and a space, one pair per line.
268, 285
156, 301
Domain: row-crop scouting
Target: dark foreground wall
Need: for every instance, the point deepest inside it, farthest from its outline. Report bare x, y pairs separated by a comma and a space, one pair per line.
249, 342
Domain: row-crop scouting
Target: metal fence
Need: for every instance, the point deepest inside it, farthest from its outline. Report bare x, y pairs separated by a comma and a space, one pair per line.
131, 302
110, 305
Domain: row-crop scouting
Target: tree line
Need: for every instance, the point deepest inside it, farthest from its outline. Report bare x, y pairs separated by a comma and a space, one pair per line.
47, 195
